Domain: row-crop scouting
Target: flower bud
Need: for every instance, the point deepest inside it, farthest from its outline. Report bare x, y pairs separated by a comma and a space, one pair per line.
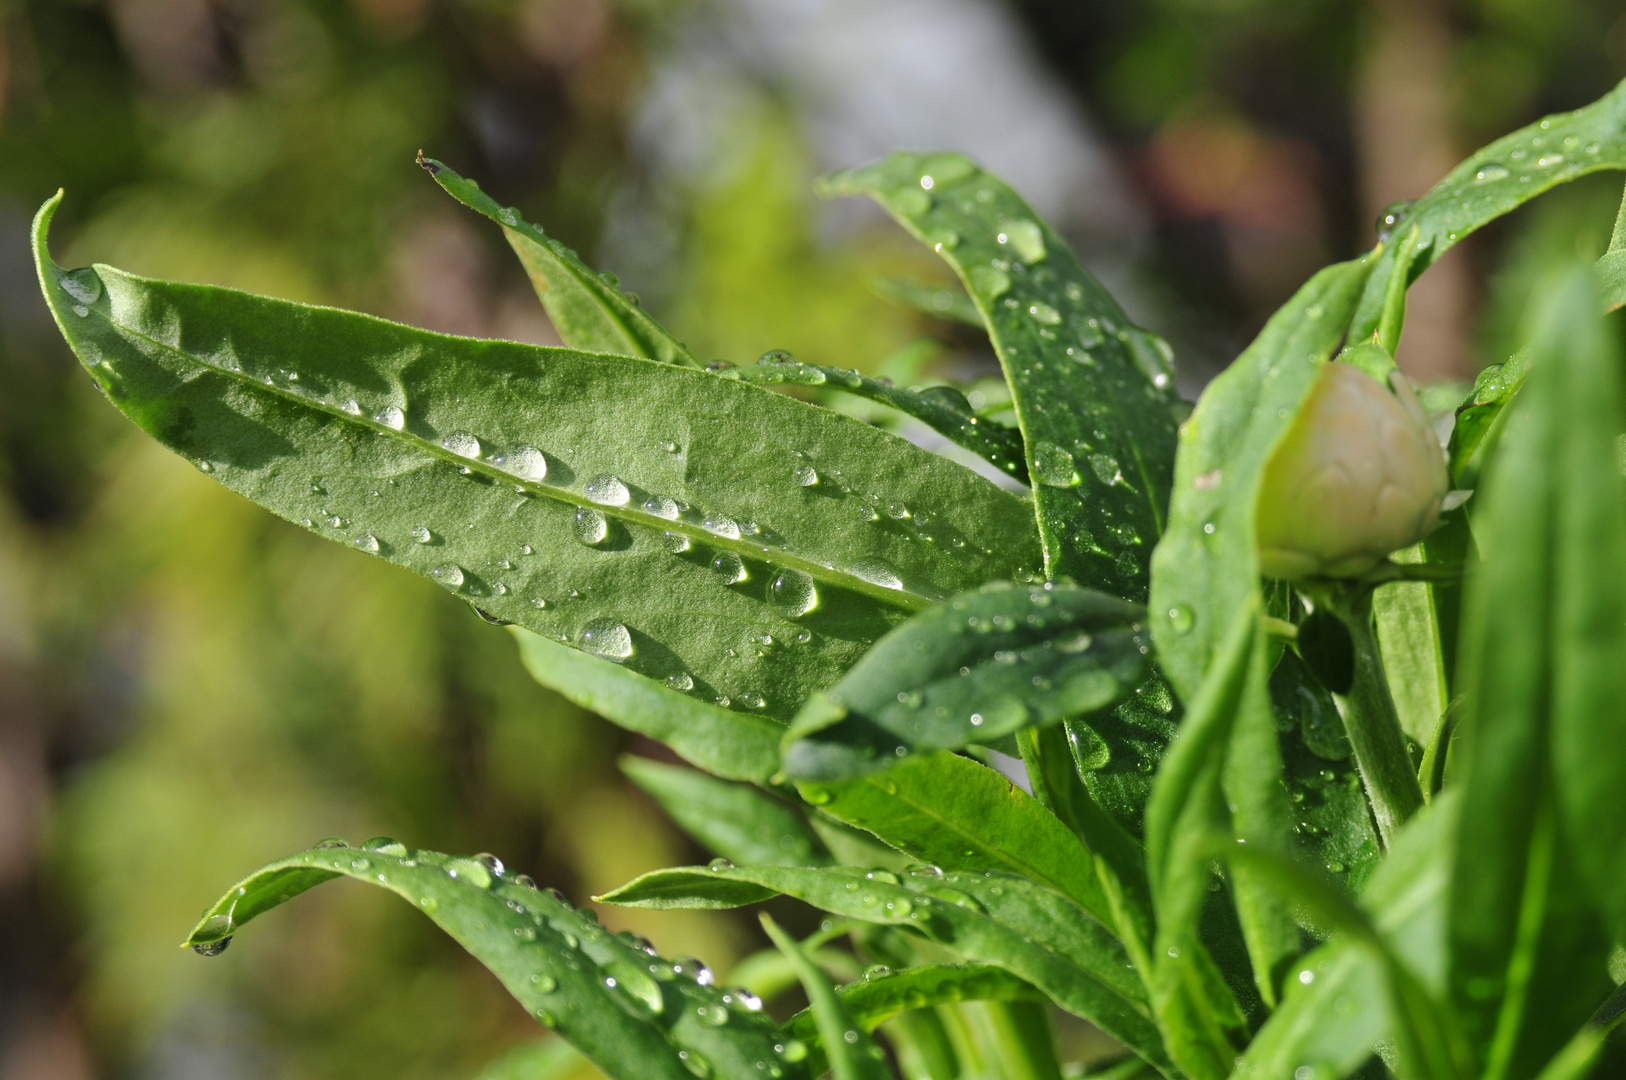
1359, 474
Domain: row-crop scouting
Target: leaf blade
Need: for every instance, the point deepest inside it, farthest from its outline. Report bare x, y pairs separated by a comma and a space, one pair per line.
736, 821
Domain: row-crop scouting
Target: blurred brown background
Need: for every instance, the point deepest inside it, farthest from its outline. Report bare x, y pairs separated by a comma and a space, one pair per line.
189, 687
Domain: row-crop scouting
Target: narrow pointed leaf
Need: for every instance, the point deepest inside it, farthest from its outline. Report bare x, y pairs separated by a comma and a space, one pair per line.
1094, 394
631, 1013
973, 669
588, 309
942, 408
543, 485
849, 1051
1010, 922
725, 742
1496, 180
736, 821
958, 814
1538, 869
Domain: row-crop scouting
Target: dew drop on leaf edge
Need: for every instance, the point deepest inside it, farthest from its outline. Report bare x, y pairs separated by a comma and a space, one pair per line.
606, 639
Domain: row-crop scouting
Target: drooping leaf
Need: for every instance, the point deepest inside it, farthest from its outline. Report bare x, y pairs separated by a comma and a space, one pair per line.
725, 742
1539, 865
1495, 180
942, 301
958, 814
877, 998
848, 1049
736, 821
1009, 922
544, 485
942, 408
1206, 569
588, 309
973, 669
1094, 394
631, 1013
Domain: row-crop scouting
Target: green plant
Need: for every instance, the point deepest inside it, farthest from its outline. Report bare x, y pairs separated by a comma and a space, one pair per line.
1265, 848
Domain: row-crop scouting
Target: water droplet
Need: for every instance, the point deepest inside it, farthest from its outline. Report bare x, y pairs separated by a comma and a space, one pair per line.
877, 572
81, 310
730, 567
83, 285
527, 463
211, 948
1105, 468
791, 1050
721, 525
492, 864
391, 417
608, 490
912, 202
681, 682
591, 526
1182, 618
462, 445
422, 535
752, 700
794, 593
1391, 216
386, 845
1025, 238
1547, 161
606, 638
368, 543
990, 281
695, 1063
677, 543
714, 1015
1044, 313
449, 575
1491, 171
806, 475
545, 983
662, 507
1053, 466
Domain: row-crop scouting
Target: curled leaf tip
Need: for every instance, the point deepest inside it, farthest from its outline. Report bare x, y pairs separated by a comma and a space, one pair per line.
429, 164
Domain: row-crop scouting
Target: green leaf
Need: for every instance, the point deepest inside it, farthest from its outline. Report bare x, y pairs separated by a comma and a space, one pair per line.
735, 821
958, 814
632, 1014
1542, 850
428, 451
848, 1048
1094, 394
1205, 572
1497, 179
942, 408
971, 670
588, 309
1610, 271
879, 997
726, 743
941, 301
1009, 922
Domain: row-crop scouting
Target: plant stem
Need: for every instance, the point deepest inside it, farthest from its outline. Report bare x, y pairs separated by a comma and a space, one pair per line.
1025, 1040
1373, 724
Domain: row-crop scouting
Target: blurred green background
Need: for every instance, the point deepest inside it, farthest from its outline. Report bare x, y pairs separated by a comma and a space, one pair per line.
189, 687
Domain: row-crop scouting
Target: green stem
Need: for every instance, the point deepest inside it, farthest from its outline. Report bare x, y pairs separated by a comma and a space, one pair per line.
1373, 724
1025, 1040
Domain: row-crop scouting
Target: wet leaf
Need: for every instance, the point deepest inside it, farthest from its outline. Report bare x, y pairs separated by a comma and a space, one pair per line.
736, 821
849, 1051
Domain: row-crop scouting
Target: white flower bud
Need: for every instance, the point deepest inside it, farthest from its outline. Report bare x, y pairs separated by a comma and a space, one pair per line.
1359, 475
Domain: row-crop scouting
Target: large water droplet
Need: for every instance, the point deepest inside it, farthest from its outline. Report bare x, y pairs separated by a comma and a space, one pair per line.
695, 1063
721, 525
422, 535
211, 948
386, 845
368, 543
449, 575
608, 490
83, 285
806, 475
681, 682
714, 1015
990, 281
591, 526
1182, 618
794, 593
462, 445
606, 638
877, 572
1053, 466
662, 507
1025, 238
1490, 171
526, 463
545, 983
391, 417
730, 567
1044, 313
1105, 468
677, 543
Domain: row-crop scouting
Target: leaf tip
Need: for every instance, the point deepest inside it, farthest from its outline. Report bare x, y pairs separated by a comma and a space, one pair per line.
429, 164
